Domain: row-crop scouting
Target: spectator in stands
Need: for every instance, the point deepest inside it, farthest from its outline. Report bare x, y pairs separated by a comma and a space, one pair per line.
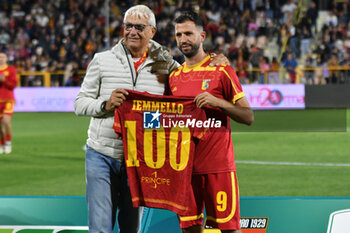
74, 78
283, 35
4, 37
312, 14
54, 68
273, 74
22, 36
319, 78
288, 10
329, 36
345, 63
264, 69
333, 67
322, 48
41, 19
305, 37
273, 31
11, 53
293, 39
331, 18
255, 53
309, 69
252, 28
241, 68
290, 64
325, 71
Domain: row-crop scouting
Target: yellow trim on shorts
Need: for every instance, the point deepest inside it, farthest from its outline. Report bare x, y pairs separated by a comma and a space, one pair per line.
191, 218
233, 210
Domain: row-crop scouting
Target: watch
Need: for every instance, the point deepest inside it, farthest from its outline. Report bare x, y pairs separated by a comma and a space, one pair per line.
103, 106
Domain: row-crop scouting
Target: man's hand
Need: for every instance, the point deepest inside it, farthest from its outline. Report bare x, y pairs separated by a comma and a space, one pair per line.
206, 98
219, 60
116, 99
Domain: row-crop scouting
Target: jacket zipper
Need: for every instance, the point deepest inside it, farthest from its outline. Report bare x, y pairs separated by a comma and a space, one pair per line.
134, 80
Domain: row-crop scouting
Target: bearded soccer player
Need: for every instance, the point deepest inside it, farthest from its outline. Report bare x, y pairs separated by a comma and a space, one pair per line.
8, 82
214, 181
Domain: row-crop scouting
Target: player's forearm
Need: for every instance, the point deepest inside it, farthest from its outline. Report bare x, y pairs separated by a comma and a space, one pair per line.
239, 114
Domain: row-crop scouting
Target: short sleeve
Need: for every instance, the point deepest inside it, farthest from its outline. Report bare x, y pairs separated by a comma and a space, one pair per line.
231, 85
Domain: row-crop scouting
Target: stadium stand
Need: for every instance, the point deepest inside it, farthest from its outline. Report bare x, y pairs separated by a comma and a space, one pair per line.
52, 42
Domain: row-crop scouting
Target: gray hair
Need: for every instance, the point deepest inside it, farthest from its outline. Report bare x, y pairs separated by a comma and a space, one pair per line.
141, 11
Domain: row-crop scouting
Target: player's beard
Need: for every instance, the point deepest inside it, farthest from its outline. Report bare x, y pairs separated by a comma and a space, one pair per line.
192, 52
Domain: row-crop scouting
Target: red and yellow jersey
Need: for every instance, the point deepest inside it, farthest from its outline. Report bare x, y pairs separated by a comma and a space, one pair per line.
158, 138
9, 84
215, 154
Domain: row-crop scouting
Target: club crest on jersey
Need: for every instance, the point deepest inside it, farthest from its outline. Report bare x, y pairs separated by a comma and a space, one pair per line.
205, 84
151, 120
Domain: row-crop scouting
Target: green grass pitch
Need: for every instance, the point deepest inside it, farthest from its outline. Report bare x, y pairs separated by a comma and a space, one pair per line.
284, 153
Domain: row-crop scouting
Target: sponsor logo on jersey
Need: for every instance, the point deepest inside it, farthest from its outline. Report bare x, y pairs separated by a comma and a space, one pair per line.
154, 180
154, 120
151, 120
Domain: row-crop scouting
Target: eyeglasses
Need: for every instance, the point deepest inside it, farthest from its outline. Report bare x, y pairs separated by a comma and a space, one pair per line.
138, 27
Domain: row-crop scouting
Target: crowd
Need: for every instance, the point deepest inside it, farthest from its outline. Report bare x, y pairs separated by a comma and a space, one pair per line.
63, 35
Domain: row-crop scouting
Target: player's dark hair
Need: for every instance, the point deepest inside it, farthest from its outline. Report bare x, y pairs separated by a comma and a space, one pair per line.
190, 16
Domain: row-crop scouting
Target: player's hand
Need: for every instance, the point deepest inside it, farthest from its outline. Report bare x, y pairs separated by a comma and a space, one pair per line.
206, 98
219, 60
116, 99
2, 77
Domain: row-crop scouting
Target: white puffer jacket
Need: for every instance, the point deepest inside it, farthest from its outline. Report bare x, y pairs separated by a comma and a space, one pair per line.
108, 71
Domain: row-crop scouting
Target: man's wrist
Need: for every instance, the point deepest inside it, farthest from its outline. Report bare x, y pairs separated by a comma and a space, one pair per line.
103, 106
